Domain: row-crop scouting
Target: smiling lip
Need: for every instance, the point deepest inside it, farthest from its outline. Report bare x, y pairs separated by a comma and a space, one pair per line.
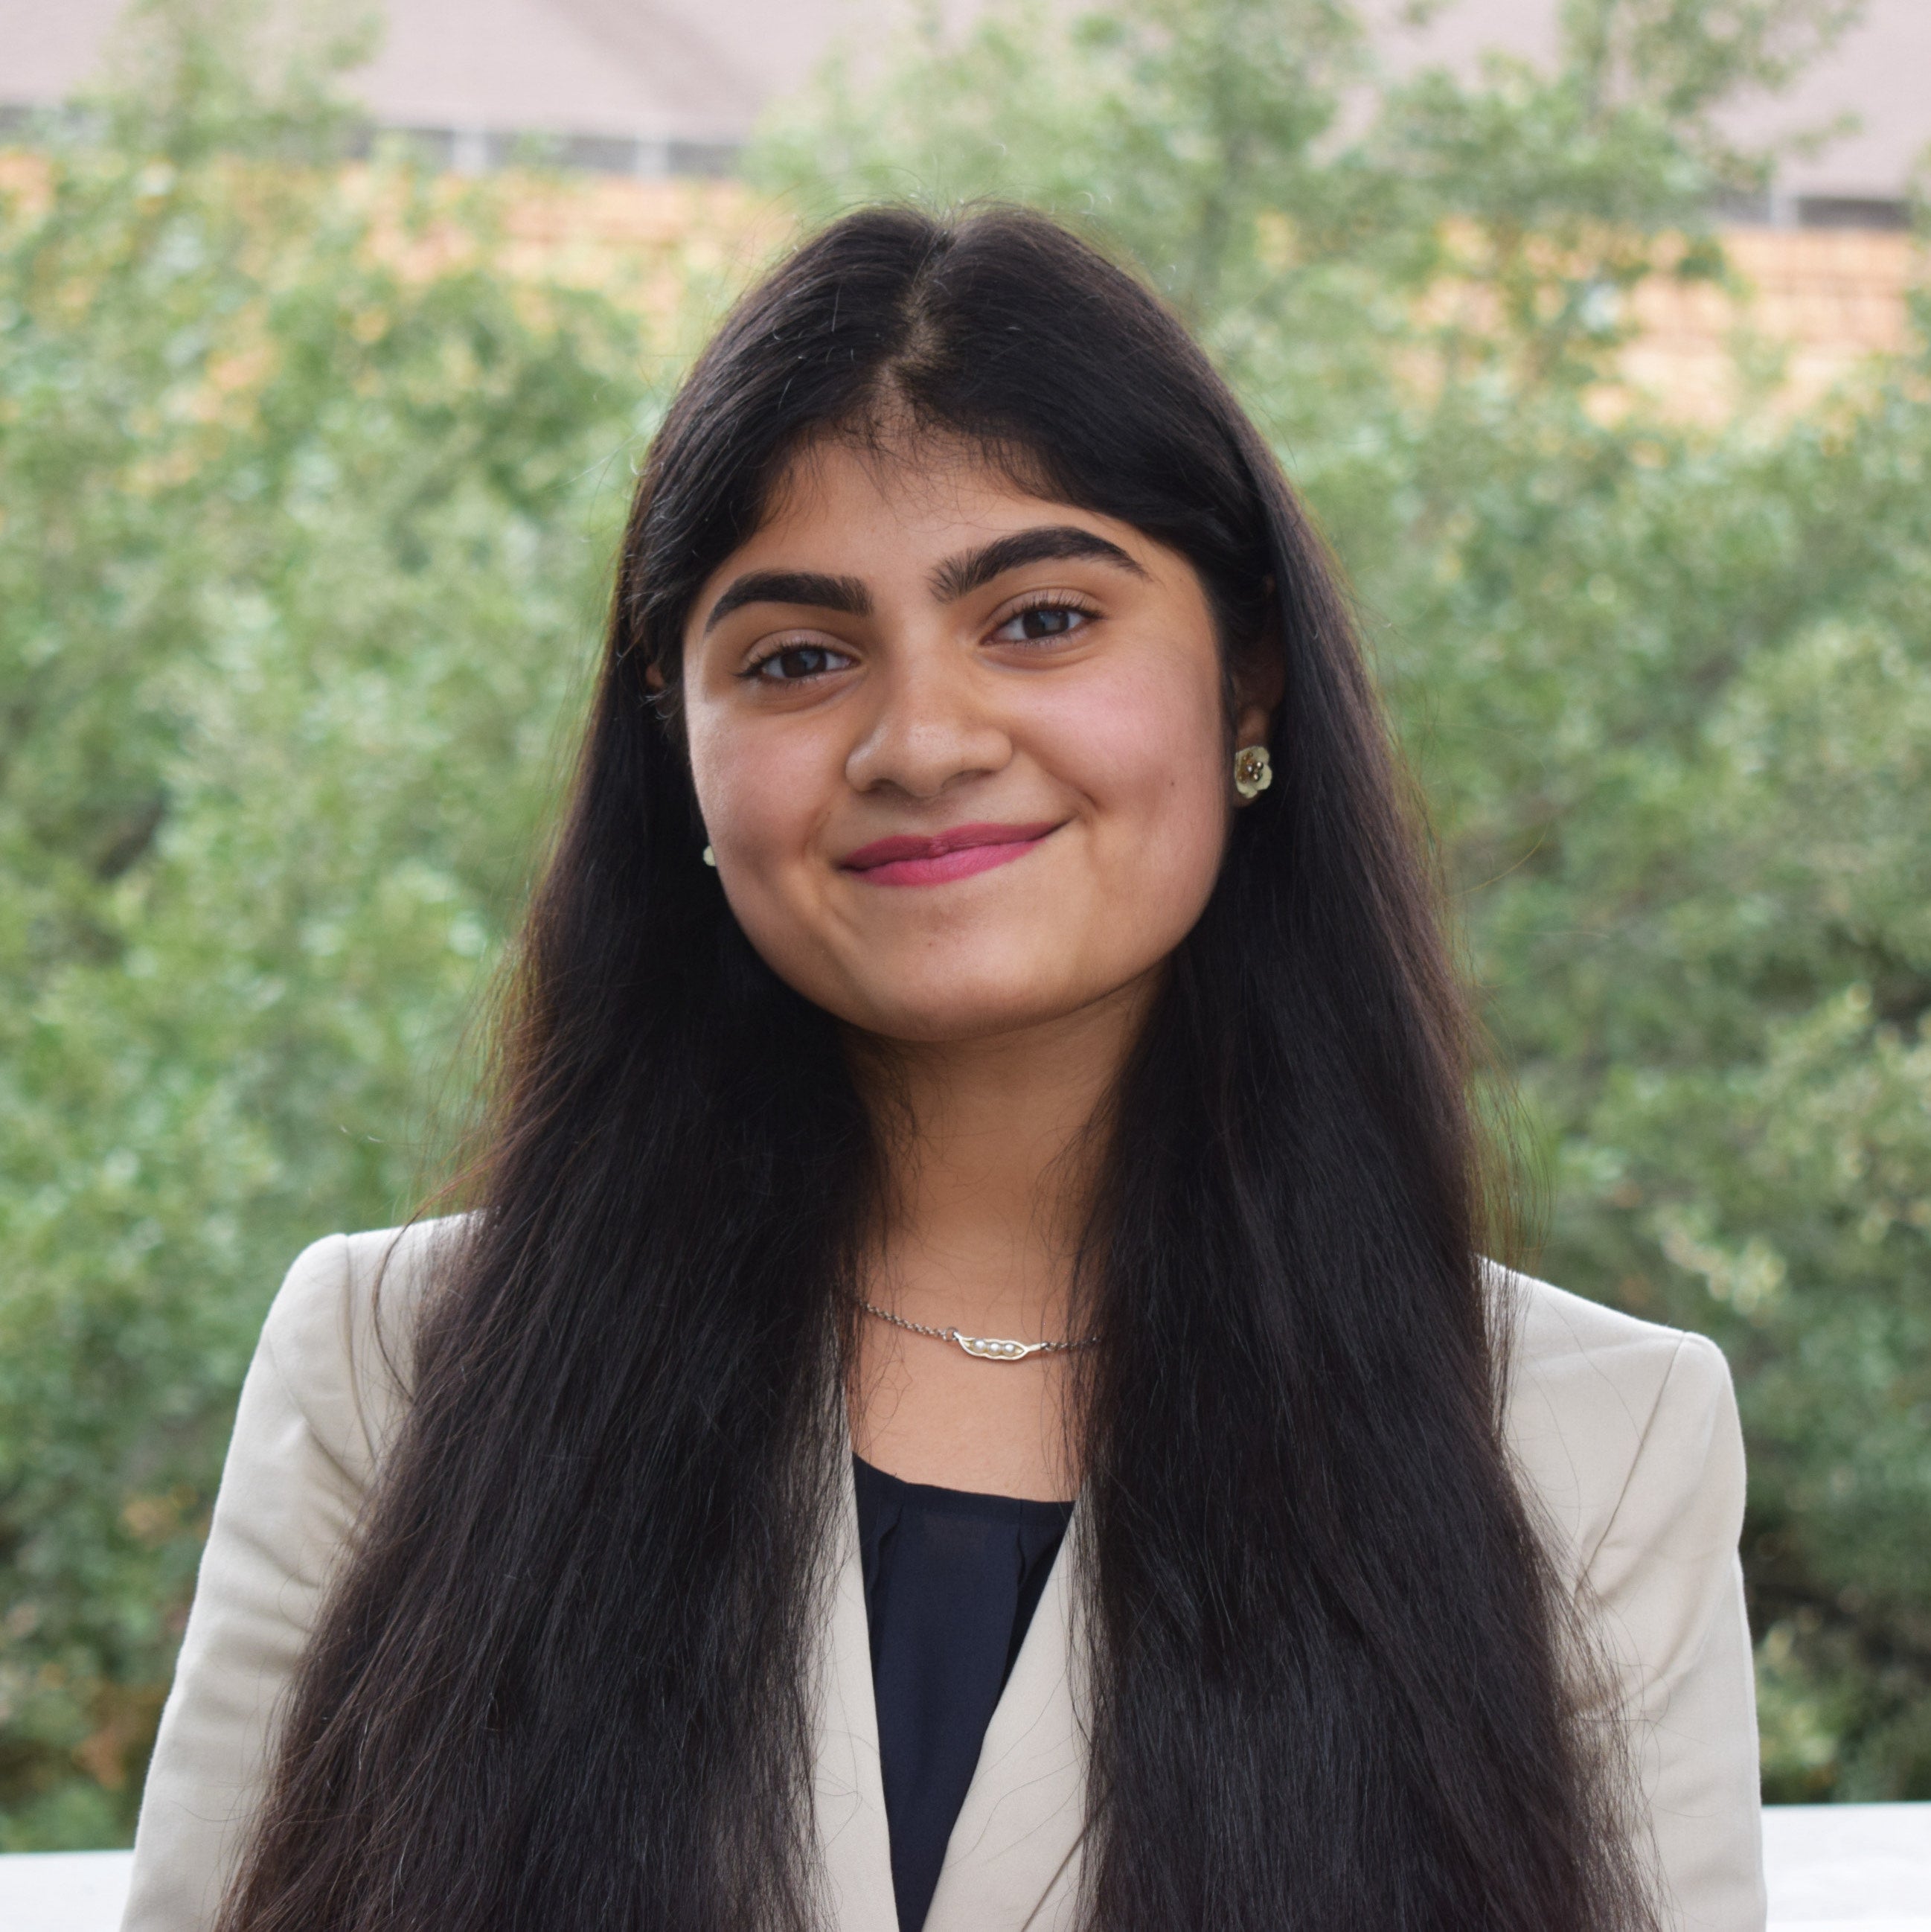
955, 853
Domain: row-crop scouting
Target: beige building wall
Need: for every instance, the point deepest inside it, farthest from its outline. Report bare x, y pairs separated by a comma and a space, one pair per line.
1820, 301
656, 86
650, 90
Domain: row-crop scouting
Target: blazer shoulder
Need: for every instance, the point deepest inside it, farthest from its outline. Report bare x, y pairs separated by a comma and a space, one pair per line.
322, 1397
340, 1334
1591, 1389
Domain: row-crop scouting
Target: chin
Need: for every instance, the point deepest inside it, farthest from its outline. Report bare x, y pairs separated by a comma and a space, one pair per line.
962, 1006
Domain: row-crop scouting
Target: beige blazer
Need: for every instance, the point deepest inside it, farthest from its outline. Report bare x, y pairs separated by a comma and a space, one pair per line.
1625, 1434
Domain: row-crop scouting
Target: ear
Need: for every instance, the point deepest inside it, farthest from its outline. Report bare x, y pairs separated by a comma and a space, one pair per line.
1260, 680
654, 677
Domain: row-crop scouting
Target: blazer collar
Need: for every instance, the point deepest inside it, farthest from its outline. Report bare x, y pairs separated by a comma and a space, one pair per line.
1013, 1862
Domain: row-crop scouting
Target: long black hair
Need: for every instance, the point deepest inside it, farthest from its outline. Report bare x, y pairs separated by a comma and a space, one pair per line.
564, 1680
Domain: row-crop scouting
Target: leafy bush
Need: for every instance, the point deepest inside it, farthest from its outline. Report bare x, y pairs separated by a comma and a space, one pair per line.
307, 508
306, 503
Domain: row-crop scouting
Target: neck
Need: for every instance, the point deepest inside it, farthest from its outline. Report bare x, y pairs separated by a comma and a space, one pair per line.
990, 1166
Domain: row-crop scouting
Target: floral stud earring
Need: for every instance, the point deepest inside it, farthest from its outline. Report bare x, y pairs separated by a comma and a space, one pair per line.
1253, 771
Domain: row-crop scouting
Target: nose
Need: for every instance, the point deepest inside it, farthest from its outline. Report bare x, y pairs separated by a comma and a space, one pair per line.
933, 727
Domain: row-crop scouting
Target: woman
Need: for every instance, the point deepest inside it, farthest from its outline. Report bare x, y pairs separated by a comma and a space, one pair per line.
982, 1041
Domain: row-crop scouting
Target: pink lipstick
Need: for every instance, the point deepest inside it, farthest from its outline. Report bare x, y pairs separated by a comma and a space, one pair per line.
957, 853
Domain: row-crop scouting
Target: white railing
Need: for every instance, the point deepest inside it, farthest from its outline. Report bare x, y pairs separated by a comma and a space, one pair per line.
1863, 1867
1831, 1868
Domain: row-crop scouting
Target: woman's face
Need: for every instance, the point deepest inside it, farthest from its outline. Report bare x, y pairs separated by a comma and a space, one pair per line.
960, 752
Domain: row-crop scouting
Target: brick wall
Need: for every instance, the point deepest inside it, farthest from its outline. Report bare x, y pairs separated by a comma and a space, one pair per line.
1806, 306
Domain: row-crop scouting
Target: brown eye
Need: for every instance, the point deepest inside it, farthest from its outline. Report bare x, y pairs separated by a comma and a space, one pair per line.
1041, 622
795, 662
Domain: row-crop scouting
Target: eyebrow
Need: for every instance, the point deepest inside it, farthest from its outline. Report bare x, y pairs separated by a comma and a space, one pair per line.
808, 587
956, 577
1051, 543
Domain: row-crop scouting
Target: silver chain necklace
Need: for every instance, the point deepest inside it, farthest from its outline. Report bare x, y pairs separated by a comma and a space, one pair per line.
981, 1347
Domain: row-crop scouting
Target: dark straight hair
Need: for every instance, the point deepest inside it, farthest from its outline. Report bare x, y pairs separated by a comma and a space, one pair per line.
565, 1679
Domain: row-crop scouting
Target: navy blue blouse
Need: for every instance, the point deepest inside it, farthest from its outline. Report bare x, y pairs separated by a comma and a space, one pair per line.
951, 1580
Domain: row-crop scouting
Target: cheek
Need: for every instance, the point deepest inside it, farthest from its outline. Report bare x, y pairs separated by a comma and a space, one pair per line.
1147, 749
759, 792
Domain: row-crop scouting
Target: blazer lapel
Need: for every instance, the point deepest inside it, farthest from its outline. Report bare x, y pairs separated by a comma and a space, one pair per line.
1013, 1863
855, 1845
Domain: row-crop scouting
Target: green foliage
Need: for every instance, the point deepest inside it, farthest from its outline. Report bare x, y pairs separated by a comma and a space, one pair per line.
305, 507
306, 513
1669, 691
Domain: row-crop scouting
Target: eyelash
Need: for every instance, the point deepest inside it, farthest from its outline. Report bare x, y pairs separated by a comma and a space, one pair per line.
753, 671
1046, 600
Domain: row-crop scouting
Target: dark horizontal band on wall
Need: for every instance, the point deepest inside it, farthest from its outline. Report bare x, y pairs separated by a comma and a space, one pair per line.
1764, 209
482, 150
470, 150
479, 150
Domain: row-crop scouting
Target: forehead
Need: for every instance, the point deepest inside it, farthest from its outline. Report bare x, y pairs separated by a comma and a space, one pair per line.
908, 489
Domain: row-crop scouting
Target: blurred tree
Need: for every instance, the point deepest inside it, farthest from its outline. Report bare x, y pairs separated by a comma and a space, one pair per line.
305, 505
1670, 692
306, 508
